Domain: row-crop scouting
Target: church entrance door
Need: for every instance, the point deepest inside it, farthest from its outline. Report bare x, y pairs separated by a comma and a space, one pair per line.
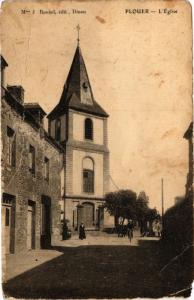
88, 215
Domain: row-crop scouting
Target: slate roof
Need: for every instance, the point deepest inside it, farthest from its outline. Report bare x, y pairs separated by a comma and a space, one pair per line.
27, 116
73, 95
34, 107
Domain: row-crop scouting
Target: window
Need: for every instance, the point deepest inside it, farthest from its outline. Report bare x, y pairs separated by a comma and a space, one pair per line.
46, 168
7, 216
11, 155
32, 159
58, 130
88, 129
88, 175
88, 180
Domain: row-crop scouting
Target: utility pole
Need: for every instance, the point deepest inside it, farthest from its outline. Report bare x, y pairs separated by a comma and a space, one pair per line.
162, 182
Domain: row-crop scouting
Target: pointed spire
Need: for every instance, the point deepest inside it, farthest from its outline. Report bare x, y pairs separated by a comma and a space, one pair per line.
77, 83
77, 92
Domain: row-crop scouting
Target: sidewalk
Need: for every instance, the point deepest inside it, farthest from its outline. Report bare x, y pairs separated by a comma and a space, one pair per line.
105, 239
16, 264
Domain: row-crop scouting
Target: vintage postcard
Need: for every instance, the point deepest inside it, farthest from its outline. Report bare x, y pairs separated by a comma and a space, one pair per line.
96, 149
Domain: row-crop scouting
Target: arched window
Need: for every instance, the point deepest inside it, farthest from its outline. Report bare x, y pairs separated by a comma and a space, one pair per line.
58, 130
88, 129
88, 175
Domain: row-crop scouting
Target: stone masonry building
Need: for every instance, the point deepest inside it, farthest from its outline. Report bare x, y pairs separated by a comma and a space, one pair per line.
31, 166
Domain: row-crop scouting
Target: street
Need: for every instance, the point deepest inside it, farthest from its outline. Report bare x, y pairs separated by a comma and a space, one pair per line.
103, 267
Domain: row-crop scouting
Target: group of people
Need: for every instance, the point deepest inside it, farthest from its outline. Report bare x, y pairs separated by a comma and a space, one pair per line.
153, 228
123, 230
66, 233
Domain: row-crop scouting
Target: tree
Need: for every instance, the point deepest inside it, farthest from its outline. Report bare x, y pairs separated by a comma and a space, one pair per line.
151, 214
142, 205
121, 204
143, 197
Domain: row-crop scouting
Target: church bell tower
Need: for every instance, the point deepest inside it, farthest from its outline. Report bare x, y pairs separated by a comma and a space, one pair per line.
79, 124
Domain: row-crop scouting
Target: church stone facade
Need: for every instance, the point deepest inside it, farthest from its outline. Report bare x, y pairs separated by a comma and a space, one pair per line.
79, 123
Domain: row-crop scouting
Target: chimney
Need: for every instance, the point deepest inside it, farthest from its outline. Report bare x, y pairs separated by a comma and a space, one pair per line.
17, 91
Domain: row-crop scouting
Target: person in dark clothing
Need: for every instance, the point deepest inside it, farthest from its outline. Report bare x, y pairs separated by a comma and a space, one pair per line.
124, 230
82, 234
120, 230
130, 227
65, 231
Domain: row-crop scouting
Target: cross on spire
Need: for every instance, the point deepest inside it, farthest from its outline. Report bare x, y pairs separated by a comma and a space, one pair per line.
78, 29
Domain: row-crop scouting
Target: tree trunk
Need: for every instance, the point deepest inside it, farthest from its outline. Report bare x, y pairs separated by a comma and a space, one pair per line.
116, 221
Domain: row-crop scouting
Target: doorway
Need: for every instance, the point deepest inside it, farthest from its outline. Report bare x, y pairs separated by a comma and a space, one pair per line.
45, 222
31, 225
88, 215
7, 222
6, 228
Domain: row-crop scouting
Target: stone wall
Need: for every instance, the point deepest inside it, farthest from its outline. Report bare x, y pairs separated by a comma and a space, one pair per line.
18, 181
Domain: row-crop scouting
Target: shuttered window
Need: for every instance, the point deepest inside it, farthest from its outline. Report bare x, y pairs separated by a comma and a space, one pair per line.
46, 168
11, 147
32, 159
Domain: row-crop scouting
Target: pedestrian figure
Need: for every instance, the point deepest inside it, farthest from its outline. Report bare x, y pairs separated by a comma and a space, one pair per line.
158, 227
124, 230
130, 229
82, 234
65, 231
154, 228
119, 230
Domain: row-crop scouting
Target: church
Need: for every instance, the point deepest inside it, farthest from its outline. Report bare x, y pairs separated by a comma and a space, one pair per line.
79, 124
55, 175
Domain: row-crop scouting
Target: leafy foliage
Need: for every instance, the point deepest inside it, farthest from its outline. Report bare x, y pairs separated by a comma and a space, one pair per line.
124, 204
142, 206
121, 204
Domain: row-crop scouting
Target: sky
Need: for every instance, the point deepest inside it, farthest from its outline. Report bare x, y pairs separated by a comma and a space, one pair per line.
140, 69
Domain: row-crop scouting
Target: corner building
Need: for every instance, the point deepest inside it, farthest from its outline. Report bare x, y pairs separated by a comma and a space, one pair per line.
79, 124
31, 164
